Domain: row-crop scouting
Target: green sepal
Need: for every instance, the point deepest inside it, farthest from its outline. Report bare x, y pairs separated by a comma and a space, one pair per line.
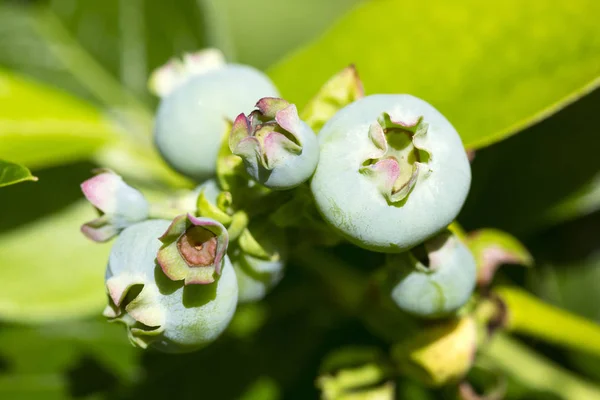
210, 210
230, 168
239, 222
250, 246
169, 255
172, 261
339, 91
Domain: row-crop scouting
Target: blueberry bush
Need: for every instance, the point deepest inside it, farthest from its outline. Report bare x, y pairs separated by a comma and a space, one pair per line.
344, 200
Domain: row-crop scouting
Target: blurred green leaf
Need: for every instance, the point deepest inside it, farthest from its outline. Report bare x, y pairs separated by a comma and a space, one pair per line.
51, 386
60, 36
573, 286
340, 90
584, 201
47, 361
50, 271
129, 38
519, 184
264, 388
260, 33
35, 42
11, 173
98, 50
491, 69
41, 126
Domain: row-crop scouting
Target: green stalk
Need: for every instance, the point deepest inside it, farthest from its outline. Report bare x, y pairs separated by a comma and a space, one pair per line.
536, 372
528, 315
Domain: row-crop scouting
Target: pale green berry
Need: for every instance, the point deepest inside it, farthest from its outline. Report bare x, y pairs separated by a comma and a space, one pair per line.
194, 111
432, 280
159, 312
279, 150
392, 172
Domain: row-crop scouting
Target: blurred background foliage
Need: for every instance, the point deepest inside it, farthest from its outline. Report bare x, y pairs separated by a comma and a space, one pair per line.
73, 96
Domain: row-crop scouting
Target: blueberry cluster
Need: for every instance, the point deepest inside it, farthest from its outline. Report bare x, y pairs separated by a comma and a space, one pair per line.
387, 173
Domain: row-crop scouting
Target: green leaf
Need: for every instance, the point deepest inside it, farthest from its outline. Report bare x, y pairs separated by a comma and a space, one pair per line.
297, 22
129, 38
340, 90
41, 126
62, 61
85, 47
11, 173
47, 361
491, 69
50, 271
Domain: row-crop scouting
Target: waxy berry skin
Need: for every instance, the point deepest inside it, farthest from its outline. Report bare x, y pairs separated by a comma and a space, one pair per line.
158, 311
437, 287
392, 172
191, 121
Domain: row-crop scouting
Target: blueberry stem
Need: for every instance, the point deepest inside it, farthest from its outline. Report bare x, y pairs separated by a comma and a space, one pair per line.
535, 371
528, 315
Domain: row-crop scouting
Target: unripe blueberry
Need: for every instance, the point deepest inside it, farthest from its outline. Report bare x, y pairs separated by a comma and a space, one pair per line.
432, 280
120, 204
192, 116
279, 150
392, 172
157, 311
